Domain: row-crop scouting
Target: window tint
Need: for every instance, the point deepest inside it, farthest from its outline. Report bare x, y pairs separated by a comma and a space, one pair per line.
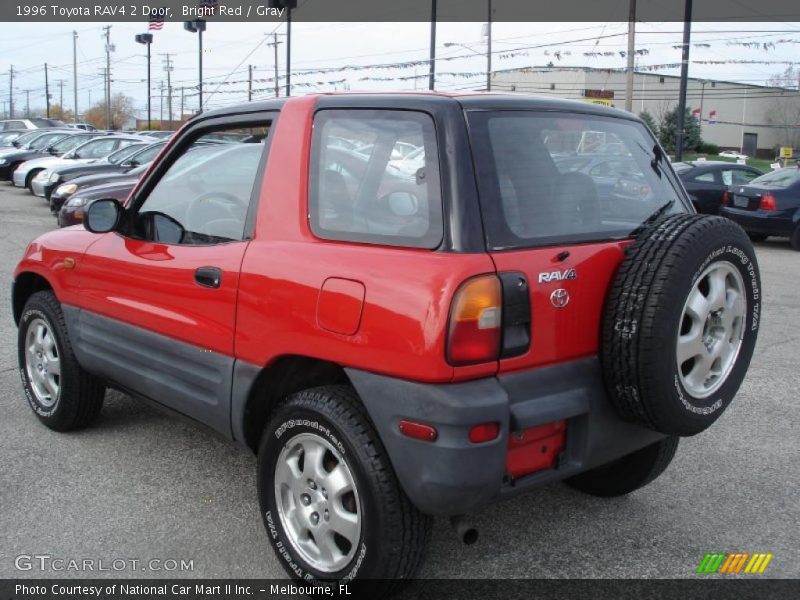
207, 190
96, 148
527, 199
375, 178
706, 177
741, 176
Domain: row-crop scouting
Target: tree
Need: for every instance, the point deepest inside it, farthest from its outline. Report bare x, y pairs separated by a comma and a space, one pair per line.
649, 121
122, 111
669, 128
59, 113
783, 111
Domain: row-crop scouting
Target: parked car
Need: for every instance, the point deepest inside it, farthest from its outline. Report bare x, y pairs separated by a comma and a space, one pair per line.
36, 148
768, 206
8, 136
82, 126
32, 123
733, 154
72, 211
706, 181
66, 191
117, 162
20, 140
159, 135
45, 181
61, 147
396, 347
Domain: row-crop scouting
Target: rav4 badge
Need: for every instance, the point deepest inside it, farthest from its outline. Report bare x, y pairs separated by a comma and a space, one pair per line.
548, 276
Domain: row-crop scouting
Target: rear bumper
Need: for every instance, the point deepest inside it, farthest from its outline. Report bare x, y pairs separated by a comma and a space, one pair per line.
454, 476
759, 221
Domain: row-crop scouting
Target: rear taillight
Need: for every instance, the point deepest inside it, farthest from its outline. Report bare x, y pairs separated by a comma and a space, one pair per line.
726, 198
768, 203
475, 322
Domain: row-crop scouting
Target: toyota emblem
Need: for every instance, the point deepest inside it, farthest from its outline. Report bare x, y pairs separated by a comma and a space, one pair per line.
559, 298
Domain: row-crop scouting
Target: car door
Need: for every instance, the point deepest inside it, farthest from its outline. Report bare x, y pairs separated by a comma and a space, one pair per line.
158, 309
705, 190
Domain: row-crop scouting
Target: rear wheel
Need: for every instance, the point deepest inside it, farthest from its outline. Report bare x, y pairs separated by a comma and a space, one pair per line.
628, 473
795, 239
61, 394
330, 500
29, 179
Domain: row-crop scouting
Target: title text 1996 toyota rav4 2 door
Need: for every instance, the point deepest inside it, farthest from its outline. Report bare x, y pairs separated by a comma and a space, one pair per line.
400, 335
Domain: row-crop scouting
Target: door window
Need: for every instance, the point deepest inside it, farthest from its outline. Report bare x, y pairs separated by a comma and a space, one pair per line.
706, 177
205, 194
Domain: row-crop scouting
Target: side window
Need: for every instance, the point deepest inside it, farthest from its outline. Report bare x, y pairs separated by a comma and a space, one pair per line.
97, 149
206, 191
375, 178
727, 177
741, 176
706, 178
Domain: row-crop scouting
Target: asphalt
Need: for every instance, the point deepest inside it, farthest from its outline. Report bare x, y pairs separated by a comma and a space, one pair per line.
142, 485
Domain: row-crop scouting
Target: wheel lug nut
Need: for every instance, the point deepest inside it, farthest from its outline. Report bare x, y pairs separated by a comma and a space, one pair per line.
326, 515
305, 499
314, 518
312, 484
324, 493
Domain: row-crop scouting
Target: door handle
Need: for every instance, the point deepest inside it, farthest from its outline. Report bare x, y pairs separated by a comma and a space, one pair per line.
210, 277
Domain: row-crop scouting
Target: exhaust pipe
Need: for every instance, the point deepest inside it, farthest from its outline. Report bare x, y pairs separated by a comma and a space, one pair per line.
464, 530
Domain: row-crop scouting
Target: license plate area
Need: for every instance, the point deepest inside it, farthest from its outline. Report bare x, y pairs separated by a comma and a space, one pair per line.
741, 201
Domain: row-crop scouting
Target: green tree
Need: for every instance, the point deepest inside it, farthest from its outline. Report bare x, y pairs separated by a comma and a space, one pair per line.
650, 121
669, 127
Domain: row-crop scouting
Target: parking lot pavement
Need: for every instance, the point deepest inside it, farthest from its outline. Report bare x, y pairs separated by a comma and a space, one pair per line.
142, 485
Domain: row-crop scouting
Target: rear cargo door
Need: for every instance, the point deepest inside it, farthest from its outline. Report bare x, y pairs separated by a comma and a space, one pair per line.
561, 193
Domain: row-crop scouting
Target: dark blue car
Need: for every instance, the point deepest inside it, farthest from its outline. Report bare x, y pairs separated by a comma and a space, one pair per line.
768, 205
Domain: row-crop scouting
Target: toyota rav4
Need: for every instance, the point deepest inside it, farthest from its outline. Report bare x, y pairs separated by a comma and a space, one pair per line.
406, 304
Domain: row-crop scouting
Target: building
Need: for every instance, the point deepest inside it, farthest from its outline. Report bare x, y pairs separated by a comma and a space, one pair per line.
752, 118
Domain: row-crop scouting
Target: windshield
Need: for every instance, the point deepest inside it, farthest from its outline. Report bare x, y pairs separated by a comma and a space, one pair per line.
120, 155
97, 148
782, 178
7, 138
547, 178
44, 141
70, 142
26, 138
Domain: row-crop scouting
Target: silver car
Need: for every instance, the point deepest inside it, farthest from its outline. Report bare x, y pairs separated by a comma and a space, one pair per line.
87, 152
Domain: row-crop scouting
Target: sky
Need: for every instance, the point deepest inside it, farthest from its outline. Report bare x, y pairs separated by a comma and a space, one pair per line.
231, 47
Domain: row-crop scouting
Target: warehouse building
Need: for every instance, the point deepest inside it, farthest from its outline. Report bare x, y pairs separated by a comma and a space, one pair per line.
751, 118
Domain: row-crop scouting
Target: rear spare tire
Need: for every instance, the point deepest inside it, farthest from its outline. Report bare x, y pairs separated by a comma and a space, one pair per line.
681, 322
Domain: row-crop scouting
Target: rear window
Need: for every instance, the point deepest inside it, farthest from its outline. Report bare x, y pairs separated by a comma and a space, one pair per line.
782, 178
375, 178
548, 177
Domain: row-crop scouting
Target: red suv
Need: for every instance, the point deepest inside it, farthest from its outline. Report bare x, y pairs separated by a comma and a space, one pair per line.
405, 304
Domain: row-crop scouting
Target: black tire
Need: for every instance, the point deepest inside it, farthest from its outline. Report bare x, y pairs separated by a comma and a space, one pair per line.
757, 237
795, 239
644, 316
80, 395
29, 179
393, 533
628, 473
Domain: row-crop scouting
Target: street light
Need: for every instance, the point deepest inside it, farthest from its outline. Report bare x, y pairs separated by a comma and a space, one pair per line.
198, 26
146, 39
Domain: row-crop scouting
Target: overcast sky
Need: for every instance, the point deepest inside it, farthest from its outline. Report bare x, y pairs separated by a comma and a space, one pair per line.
231, 47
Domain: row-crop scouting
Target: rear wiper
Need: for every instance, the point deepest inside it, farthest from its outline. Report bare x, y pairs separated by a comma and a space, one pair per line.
655, 216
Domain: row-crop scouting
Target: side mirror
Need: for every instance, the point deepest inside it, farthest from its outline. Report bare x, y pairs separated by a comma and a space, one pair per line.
52, 151
103, 215
69, 155
158, 227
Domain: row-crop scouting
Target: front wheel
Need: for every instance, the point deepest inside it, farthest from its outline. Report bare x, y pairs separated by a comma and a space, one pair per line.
330, 500
795, 239
61, 394
628, 473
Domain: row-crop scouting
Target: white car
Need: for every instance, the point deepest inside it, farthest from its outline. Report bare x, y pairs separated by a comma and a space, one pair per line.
95, 148
733, 154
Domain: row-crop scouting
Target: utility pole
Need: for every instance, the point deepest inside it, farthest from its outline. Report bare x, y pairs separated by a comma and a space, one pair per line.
687, 33
289, 50
11, 92
161, 109
249, 83
180, 117
27, 103
489, 48
107, 29
630, 55
61, 95
46, 91
75, 75
147, 40
168, 68
432, 67
274, 43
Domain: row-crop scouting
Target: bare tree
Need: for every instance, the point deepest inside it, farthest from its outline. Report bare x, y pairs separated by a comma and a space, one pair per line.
122, 110
784, 109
